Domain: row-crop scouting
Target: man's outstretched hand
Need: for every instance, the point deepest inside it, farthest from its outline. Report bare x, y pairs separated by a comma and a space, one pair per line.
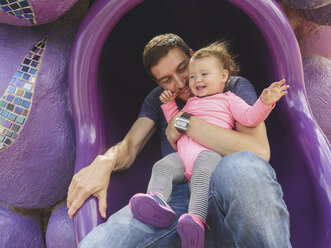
91, 180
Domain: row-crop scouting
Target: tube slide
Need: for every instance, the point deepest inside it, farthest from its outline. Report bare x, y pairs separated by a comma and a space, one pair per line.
108, 85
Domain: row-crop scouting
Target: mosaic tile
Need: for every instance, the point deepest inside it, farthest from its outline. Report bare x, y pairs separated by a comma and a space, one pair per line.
10, 107
19, 83
7, 123
27, 86
25, 103
8, 133
27, 95
2, 137
12, 117
16, 102
7, 141
22, 9
4, 113
20, 119
15, 127
19, 92
3, 103
18, 110
10, 98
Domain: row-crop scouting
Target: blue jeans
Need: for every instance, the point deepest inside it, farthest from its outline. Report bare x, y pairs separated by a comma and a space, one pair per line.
245, 209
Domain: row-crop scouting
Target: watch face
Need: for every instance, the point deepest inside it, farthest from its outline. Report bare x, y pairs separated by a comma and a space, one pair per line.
182, 124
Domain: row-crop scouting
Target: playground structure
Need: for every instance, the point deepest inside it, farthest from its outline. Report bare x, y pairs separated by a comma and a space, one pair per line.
268, 49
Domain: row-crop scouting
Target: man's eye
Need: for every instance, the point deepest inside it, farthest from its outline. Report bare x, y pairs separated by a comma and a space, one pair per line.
182, 69
204, 74
166, 81
191, 77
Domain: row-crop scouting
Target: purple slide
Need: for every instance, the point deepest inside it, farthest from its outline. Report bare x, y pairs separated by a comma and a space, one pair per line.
108, 85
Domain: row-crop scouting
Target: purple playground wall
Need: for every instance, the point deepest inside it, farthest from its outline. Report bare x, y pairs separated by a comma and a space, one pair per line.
106, 79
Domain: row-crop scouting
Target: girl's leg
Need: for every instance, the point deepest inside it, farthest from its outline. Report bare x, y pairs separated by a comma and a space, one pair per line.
191, 226
166, 171
203, 167
152, 208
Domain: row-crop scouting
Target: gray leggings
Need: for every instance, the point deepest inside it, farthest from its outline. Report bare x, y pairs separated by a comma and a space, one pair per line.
171, 169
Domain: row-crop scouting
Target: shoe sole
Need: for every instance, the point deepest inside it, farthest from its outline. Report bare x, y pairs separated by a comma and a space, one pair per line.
148, 211
191, 233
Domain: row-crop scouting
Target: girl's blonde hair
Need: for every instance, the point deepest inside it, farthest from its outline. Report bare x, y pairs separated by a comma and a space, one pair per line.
220, 51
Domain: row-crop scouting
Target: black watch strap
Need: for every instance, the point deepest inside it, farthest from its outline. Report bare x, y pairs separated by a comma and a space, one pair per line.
186, 115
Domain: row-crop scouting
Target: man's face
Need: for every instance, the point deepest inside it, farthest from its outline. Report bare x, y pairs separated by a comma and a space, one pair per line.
171, 73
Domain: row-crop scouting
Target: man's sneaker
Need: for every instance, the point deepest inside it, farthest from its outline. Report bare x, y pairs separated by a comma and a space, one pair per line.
152, 209
191, 230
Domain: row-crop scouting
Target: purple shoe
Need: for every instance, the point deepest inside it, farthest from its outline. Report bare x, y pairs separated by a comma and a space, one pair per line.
152, 209
191, 230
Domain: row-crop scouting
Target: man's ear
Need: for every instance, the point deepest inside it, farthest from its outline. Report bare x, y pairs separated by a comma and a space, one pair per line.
191, 51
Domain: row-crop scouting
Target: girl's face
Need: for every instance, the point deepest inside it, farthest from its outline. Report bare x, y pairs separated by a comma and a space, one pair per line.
207, 76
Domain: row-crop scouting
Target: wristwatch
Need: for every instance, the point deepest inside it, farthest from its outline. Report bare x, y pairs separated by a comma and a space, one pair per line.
182, 123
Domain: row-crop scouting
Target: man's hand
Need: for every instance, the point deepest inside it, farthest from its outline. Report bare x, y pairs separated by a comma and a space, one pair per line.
91, 180
172, 133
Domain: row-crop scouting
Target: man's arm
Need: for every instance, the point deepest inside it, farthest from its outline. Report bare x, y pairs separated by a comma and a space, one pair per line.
94, 178
222, 140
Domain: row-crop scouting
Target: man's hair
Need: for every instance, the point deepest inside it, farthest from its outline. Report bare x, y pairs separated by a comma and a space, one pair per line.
159, 46
219, 50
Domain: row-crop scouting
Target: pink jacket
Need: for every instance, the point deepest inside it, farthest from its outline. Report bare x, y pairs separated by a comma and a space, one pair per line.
219, 109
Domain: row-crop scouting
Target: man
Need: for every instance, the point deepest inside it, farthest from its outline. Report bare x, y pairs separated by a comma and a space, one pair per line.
246, 207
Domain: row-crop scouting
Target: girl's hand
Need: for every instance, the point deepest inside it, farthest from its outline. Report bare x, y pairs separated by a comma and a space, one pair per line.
167, 96
274, 92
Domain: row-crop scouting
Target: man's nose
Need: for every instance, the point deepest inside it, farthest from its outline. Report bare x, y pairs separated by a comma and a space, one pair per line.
180, 82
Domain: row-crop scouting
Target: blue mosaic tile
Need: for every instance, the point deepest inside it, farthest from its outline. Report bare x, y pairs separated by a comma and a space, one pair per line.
26, 77
34, 64
3, 103
5, 8
27, 95
12, 117
18, 101
7, 141
10, 98
33, 71
15, 127
7, 123
2, 138
11, 88
27, 61
19, 83
25, 103
18, 74
1, 120
4, 113
14, 136
24, 4
20, 119
18, 110
25, 68
3, 2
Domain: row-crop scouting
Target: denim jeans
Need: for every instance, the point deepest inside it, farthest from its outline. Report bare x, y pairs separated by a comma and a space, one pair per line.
245, 209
